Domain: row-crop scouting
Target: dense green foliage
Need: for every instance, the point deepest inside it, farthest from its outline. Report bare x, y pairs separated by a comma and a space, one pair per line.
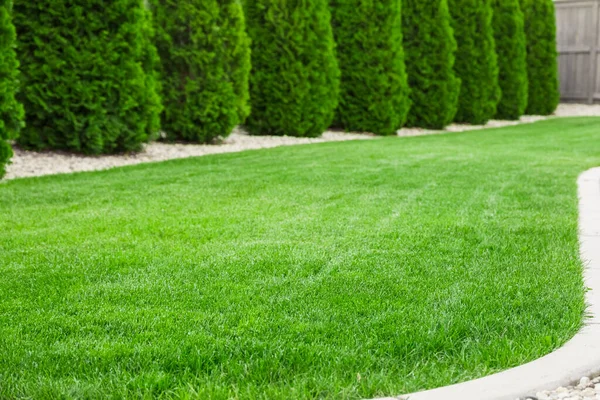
373, 90
205, 67
476, 61
11, 111
87, 75
430, 48
509, 34
294, 83
542, 62
333, 271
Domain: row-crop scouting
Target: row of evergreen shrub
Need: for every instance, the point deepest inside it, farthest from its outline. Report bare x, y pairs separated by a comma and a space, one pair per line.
96, 87
443, 61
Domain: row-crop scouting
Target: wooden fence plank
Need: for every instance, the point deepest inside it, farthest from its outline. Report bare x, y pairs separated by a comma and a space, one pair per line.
578, 32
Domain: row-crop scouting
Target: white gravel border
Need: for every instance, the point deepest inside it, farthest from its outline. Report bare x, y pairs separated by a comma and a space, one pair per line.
580, 357
29, 164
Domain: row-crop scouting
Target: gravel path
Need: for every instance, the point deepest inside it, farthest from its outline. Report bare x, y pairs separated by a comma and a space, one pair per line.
27, 163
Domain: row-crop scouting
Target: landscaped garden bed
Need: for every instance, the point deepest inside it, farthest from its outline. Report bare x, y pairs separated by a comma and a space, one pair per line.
336, 270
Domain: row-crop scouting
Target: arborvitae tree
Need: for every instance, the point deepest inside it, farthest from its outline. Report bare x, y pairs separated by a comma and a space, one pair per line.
294, 82
239, 64
87, 83
476, 61
430, 47
374, 90
11, 111
542, 63
509, 34
205, 55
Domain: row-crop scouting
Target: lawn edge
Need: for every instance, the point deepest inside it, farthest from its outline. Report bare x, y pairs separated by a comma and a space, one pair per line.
578, 357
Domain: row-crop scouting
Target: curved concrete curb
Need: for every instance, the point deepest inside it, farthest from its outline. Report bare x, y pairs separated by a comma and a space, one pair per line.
577, 358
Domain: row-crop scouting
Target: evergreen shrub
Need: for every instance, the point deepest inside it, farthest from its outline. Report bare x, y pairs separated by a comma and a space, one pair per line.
476, 61
294, 83
88, 81
205, 66
11, 111
509, 35
542, 56
430, 49
374, 89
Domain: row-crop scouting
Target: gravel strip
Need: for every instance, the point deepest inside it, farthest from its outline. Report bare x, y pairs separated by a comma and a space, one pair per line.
587, 389
28, 163
563, 110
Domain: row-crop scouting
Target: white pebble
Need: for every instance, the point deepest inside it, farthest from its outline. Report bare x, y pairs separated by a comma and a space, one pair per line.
584, 382
589, 392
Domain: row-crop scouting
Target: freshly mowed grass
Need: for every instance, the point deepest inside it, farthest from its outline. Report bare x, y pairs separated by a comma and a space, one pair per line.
339, 270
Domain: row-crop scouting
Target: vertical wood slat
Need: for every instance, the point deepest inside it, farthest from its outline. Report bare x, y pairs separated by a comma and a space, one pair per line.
578, 31
594, 56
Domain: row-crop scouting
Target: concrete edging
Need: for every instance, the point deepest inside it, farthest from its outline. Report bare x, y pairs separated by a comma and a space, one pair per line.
577, 358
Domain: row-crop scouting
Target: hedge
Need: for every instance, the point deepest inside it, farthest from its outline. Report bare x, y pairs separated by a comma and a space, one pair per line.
205, 67
374, 88
509, 34
476, 61
294, 82
11, 111
87, 75
542, 63
430, 49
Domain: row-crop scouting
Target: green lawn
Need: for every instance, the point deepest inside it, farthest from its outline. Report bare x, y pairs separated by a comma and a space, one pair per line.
337, 270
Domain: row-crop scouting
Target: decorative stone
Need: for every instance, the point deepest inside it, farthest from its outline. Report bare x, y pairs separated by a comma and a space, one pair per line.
589, 392
584, 382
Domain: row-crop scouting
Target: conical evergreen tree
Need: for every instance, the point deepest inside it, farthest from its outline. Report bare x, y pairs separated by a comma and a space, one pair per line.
374, 89
476, 61
542, 57
205, 64
11, 111
87, 79
430, 48
294, 82
509, 34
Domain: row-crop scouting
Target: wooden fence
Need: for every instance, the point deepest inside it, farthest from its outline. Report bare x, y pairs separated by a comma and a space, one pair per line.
578, 37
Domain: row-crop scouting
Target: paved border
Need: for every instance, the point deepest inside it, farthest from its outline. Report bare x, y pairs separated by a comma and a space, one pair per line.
577, 358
